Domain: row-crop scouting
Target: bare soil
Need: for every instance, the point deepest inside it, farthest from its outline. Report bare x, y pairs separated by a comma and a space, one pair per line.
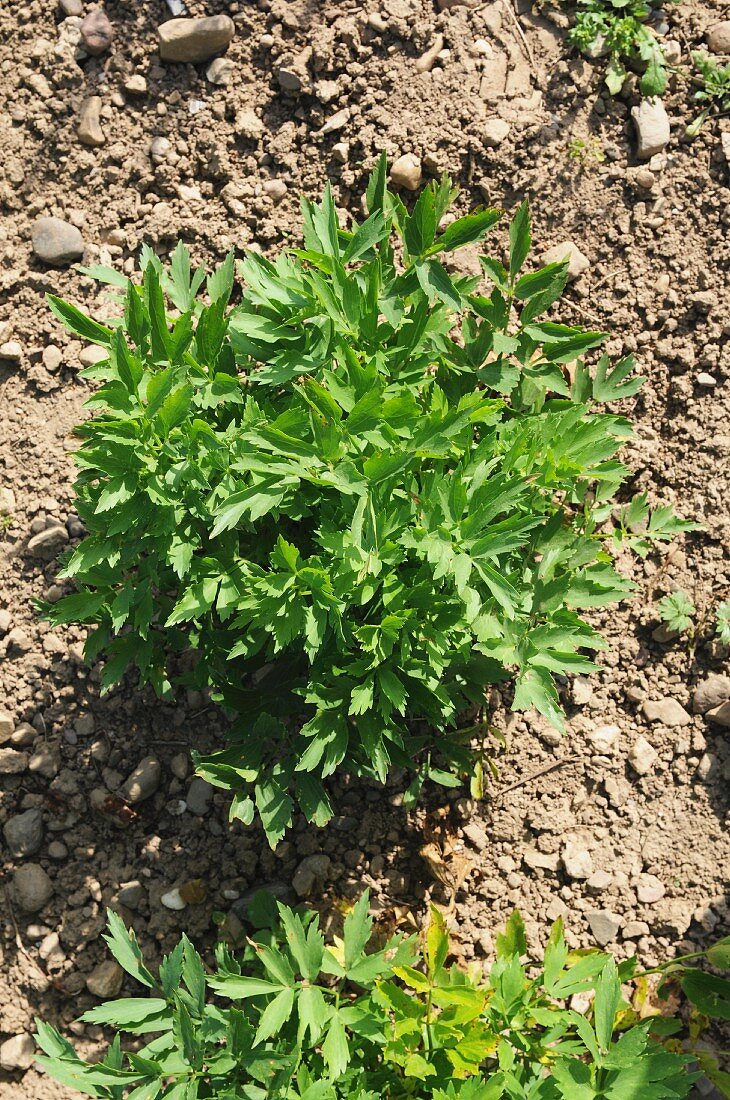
658, 262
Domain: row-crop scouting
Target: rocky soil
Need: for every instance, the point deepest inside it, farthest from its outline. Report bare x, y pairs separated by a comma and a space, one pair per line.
114, 134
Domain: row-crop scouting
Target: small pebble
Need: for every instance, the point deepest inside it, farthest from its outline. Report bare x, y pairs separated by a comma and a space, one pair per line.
406, 172
96, 32
173, 900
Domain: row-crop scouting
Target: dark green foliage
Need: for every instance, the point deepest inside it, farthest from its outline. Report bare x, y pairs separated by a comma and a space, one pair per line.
356, 498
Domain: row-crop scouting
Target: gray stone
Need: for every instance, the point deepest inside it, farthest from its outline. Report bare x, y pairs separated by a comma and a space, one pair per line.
220, 71
24, 833
48, 542
311, 870
494, 132
599, 882
406, 172
12, 762
673, 916
720, 715
32, 887
642, 756
282, 891
652, 127
604, 925
130, 894
711, 693
667, 711
96, 32
649, 889
635, 929
568, 250
46, 761
105, 980
7, 501
194, 40
708, 767
143, 781
56, 242
7, 726
199, 796
90, 131
718, 37
18, 1052
577, 861
604, 739
544, 861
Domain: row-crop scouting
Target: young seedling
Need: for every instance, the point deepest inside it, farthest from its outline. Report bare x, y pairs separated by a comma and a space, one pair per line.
356, 499
714, 90
619, 29
677, 612
722, 626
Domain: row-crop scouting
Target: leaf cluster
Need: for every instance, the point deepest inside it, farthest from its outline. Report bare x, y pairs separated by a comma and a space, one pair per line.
714, 90
351, 500
618, 29
298, 1018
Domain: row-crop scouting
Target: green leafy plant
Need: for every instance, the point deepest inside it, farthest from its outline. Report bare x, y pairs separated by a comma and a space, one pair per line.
618, 29
677, 611
351, 501
587, 151
722, 622
296, 1017
714, 91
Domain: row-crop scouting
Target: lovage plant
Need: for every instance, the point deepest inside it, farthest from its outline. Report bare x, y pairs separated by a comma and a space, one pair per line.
298, 1018
355, 498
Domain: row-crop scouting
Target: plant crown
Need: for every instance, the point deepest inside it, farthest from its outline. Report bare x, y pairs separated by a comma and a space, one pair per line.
299, 1019
354, 499
618, 29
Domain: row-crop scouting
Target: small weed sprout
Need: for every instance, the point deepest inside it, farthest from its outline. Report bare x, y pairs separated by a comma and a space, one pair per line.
714, 91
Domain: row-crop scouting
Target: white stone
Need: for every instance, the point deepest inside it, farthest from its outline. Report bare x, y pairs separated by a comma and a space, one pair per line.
568, 250
666, 711
577, 861
642, 756
173, 899
494, 132
604, 925
17, 1052
651, 123
649, 889
406, 172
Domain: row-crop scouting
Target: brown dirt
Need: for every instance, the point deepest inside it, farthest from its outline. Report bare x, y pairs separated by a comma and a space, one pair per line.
650, 252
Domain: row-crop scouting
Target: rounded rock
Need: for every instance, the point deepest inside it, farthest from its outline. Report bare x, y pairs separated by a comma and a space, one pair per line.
96, 32
194, 40
32, 887
17, 1052
24, 833
56, 242
407, 172
105, 980
495, 131
143, 781
718, 37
